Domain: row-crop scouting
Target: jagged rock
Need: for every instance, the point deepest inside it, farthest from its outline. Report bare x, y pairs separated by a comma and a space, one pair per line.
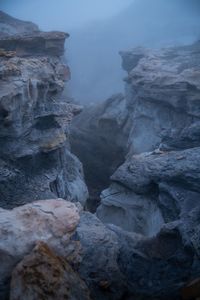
115, 264
35, 118
42, 274
50, 221
123, 265
162, 92
154, 194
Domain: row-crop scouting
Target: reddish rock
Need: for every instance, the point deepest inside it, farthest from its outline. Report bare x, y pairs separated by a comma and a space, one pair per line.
43, 275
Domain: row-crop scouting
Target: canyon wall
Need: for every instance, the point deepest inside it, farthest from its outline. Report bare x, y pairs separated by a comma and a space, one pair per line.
143, 242
35, 158
154, 194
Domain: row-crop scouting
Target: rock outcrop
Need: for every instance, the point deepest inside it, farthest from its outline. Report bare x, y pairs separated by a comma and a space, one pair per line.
154, 194
143, 243
159, 181
35, 158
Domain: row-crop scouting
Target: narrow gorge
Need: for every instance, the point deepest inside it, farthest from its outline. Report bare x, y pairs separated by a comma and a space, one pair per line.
99, 202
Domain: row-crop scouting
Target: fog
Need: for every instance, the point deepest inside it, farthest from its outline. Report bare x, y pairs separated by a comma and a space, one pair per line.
100, 29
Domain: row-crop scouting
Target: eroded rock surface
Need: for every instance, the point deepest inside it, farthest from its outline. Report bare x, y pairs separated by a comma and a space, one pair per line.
122, 265
154, 194
162, 91
159, 182
35, 158
50, 221
44, 275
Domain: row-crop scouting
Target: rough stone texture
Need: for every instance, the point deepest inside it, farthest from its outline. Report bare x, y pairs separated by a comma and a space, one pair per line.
98, 266
130, 211
123, 265
162, 91
35, 159
161, 172
35, 43
115, 264
99, 138
50, 221
44, 275
156, 191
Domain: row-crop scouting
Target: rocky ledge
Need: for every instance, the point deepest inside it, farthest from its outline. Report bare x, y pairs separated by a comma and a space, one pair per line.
35, 158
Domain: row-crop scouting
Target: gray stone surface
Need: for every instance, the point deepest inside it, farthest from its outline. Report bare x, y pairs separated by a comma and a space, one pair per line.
159, 179
42, 274
162, 91
49, 221
122, 265
161, 170
35, 157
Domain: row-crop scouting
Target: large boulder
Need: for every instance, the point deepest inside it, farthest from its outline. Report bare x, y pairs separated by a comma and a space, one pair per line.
122, 265
49, 221
42, 274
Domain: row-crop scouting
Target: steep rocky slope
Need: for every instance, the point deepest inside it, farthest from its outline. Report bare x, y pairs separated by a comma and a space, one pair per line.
35, 160
154, 195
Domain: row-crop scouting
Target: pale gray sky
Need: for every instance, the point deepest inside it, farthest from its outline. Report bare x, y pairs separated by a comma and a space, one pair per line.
63, 14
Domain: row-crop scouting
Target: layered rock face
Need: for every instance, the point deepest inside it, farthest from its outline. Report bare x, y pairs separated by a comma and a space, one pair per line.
35, 160
154, 195
159, 181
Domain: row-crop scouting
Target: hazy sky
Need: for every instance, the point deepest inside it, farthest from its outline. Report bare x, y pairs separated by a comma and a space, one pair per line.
63, 14
100, 28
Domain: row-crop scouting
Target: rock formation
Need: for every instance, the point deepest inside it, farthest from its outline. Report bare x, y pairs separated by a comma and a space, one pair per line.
35, 158
154, 194
160, 175
143, 243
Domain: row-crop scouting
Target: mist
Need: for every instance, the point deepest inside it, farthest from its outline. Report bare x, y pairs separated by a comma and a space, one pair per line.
100, 29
